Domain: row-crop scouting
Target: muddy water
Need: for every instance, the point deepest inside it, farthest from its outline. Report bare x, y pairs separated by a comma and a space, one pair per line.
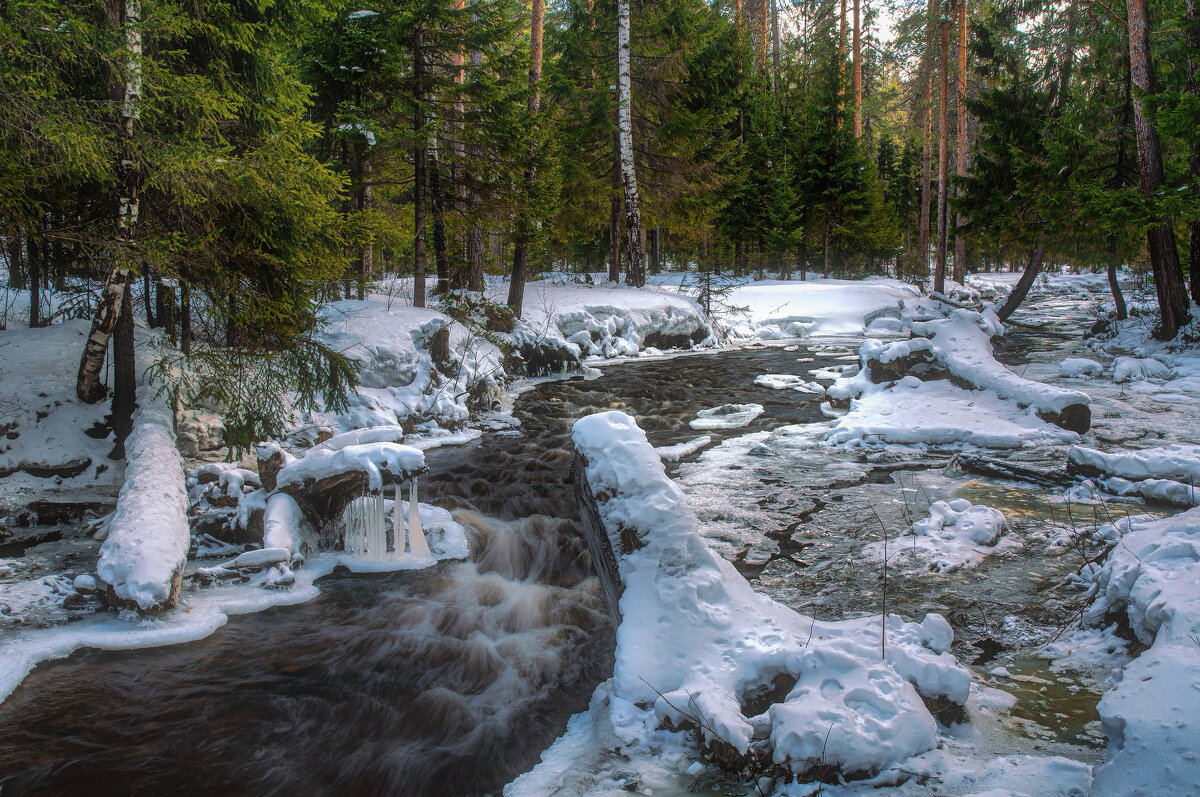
444, 682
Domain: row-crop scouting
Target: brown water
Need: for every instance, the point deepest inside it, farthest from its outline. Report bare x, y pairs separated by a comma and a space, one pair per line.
449, 681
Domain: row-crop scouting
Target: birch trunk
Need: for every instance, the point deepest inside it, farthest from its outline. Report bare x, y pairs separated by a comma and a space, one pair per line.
88, 386
636, 275
1164, 257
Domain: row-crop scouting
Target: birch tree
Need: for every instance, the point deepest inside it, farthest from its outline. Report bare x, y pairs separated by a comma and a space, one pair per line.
636, 275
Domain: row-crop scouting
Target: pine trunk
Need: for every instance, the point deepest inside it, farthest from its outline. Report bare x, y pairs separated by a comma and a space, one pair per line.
1164, 257
1193, 88
858, 76
35, 282
960, 106
926, 143
776, 45
124, 375
939, 274
636, 275
419, 168
763, 32
437, 203
516, 287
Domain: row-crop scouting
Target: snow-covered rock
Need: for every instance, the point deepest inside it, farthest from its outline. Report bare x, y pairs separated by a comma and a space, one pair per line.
1167, 474
1080, 366
1135, 369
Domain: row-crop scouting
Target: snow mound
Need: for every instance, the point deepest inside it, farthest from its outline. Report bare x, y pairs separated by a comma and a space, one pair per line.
775, 309
789, 382
142, 558
726, 416
1134, 369
376, 460
696, 642
957, 534
1152, 716
1079, 366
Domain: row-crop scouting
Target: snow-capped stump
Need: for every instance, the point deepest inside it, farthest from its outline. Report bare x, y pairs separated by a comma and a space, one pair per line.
325, 480
142, 559
695, 638
1167, 474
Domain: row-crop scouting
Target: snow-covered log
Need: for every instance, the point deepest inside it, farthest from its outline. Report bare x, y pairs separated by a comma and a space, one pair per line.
1168, 474
141, 561
962, 344
695, 639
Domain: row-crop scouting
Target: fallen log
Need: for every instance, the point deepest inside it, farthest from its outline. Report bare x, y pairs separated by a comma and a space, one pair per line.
1013, 471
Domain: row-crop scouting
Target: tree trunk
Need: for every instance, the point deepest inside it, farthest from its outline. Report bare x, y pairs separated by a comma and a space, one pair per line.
516, 287
419, 169
763, 33
776, 45
636, 275
960, 107
185, 317
939, 274
124, 375
614, 213
926, 141
655, 251
437, 202
1164, 257
841, 64
87, 384
858, 75
366, 255
34, 260
1021, 289
1113, 285
1193, 88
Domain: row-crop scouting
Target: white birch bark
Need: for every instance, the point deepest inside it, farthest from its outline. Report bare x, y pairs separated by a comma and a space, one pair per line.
636, 275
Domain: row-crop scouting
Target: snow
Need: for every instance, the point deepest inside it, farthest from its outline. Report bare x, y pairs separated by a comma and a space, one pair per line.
376, 460
1080, 366
957, 534
1167, 474
680, 450
789, 382
726, 416
774, 309
1152, 577
147, 542
695, 638
1136, 369
939, 414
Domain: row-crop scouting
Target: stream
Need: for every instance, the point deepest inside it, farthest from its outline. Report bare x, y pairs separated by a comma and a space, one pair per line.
452, 680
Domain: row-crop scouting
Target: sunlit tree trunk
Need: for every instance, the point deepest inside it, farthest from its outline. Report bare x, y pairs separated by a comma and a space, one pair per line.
939, 274
960, 105
858, 75
419, 154
1160, 239
926, 115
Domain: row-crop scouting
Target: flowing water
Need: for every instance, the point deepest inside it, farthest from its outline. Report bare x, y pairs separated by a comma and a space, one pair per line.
452, 680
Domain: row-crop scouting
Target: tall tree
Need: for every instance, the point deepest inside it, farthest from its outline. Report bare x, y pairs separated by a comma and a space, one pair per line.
633, 218
858, 72
939, 274
960, 109
524, 223
1160, 238
928, 54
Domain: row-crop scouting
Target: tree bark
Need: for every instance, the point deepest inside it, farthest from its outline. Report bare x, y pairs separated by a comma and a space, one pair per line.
1021, 289
34, 261
763, 33
1160, 240
858, 75
124, 375
1114, 286
776, 45
87, 384
419, 168
516, 287
636, 275
926, 141
939, 274
960, 108
841, 65
1193, 88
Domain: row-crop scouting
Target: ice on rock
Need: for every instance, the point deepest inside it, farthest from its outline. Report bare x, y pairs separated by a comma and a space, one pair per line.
726, 416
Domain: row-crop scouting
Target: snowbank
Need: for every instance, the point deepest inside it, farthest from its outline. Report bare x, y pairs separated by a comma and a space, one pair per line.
1152, 716
956, 534
1168, 474
696, 643
774, 309
143, 556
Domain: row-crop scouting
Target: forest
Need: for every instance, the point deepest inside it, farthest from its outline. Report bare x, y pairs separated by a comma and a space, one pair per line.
244, 160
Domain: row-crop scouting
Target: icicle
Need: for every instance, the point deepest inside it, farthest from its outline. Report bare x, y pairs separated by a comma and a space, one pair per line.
416, 537
379, 540
399, 537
